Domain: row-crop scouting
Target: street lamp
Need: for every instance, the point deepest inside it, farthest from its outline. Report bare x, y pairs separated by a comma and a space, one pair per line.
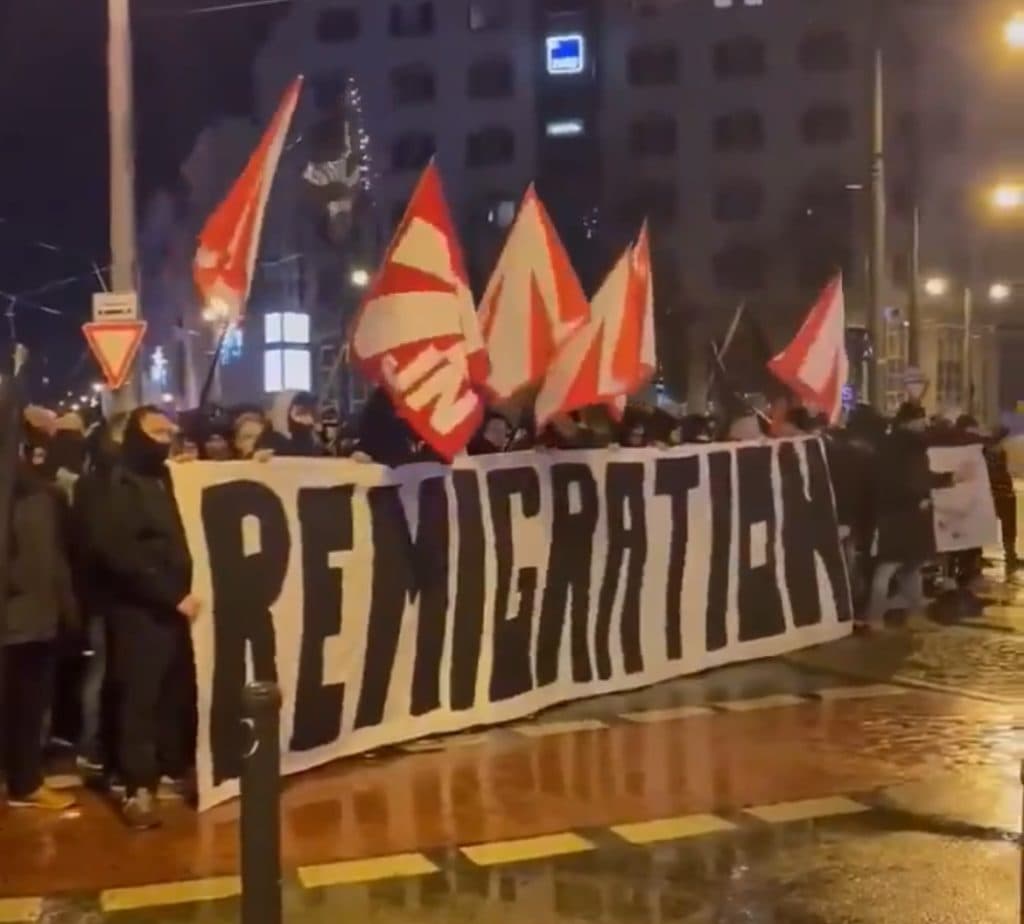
1008, 197
360, 278
999, 292
1013, 31
936, 286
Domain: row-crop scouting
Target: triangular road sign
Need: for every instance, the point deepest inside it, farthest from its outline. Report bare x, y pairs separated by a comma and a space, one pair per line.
115, 345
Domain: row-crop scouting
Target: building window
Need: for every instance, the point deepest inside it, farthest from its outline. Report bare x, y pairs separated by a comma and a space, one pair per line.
653, 136
729, 4
411, 20
738, 199
949, 383
412, 151
825, 51
564, 128
740, 268
490, 146
413, 85
742, 130
491, 78
828, 123
337, 24
739, 57
286, 356
654, 200
501, 212
653, 65
486, 15
328, 89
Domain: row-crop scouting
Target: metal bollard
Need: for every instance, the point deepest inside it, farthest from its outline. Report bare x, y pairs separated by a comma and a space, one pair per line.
260, 829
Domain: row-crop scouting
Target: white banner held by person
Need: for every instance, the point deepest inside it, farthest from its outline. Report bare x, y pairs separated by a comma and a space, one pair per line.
965, 514
392, 605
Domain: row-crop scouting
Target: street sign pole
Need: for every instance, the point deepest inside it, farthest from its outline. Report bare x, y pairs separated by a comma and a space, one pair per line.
122, 170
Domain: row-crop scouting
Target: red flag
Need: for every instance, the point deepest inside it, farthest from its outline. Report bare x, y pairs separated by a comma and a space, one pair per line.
532, 303
612, 355
814, 365
416, 333
230, 240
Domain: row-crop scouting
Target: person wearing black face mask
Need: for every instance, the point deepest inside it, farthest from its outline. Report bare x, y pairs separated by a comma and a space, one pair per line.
293, 426
141, 543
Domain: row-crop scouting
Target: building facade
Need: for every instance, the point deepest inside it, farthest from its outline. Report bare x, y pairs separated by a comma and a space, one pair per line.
740, 128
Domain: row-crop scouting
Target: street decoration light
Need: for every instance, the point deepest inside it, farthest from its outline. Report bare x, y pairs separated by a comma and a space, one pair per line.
360, 278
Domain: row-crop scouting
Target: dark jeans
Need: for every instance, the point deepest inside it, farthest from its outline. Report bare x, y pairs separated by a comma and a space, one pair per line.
27, 695
152, 658
1006, 510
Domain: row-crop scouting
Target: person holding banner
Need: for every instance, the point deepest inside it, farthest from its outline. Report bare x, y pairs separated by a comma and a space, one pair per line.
141, 544
904, 482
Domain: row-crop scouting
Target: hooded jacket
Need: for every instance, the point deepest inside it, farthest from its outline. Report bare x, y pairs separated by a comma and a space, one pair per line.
281, 436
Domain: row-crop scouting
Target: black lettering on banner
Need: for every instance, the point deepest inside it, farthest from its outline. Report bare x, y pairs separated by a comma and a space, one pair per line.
759, 600
568, 575
404, 571
809, 530
510, 673
627, 532
325, 518
675, 478
244, 587
720, 491
467, 632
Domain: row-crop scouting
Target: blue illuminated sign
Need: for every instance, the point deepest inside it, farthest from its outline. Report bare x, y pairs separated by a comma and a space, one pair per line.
566, 54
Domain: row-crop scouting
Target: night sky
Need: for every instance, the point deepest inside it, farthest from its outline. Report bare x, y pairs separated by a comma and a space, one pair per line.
190, 69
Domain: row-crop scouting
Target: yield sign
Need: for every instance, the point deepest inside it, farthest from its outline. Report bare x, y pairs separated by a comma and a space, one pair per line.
115, 345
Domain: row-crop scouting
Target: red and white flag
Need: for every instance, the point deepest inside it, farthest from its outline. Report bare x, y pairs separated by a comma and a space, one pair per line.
814, 365
230, 240
416, 333
532, 303
612, 355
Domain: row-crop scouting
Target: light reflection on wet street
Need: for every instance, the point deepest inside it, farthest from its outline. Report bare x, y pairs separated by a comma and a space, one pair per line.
875, 780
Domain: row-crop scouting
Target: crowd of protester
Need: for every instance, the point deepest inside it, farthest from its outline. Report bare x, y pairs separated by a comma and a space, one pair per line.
97, 646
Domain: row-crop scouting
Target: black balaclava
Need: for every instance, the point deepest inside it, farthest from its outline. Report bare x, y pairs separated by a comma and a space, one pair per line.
140, 453
303, 435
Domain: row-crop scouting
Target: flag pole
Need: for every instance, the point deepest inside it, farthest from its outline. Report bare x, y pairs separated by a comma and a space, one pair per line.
212, 371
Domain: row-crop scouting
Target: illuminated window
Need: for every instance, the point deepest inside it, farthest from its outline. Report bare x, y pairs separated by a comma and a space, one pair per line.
286, 360
564, 128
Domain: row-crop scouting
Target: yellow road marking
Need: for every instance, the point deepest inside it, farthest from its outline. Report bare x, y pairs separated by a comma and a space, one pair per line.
668, 715
763, 702
171, 893
806, 809
20, 910
673, 829
399, 866
532, 848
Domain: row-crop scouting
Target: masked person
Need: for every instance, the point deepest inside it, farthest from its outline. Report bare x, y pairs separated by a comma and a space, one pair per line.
492, 437
141, 544
293, 421
903, 486
96, 748
40, 604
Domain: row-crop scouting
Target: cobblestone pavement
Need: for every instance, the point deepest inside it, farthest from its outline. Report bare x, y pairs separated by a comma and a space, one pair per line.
873, 780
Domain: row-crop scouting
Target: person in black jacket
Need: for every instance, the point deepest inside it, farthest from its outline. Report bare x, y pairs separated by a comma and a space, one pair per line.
39, 603
96, 750
903, 485
141, 543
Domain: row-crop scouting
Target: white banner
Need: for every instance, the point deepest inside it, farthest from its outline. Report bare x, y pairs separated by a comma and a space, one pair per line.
965, 514
392, 605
